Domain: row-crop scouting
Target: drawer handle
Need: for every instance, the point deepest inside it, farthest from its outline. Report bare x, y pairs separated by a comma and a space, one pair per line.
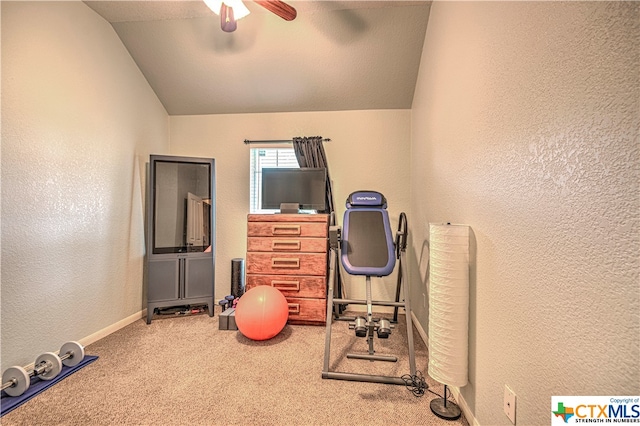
285, 262
286, 285
285, 229
294, 308
285, 245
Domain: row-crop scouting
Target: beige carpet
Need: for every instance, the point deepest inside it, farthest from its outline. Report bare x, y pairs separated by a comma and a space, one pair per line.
184, 371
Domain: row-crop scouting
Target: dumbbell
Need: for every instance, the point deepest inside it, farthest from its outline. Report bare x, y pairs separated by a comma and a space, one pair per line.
72, 354
227, 302
16, 380
223, 304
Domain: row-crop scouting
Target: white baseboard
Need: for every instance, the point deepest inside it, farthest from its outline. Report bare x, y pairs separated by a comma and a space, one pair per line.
102, 333
464, 407
466, 411
112, 328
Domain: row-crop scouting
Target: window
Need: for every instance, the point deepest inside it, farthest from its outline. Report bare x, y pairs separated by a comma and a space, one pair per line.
267, 157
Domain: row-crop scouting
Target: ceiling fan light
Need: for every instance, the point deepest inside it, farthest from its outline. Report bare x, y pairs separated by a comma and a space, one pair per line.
239, 9
214, 5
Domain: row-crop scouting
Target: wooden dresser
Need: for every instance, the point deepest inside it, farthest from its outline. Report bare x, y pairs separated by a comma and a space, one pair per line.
289, 252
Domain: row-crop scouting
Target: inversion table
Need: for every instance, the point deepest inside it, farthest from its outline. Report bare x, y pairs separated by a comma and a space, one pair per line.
367, 248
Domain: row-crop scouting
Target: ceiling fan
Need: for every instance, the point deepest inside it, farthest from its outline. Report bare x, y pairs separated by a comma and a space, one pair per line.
232, 10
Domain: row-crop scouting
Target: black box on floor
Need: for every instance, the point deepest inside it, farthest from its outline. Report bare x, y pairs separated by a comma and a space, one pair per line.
227, 320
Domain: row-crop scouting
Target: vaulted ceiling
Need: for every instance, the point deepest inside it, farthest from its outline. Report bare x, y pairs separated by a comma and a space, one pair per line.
336, 55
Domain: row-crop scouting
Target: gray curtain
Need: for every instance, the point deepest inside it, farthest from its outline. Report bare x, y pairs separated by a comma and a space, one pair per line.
310, 153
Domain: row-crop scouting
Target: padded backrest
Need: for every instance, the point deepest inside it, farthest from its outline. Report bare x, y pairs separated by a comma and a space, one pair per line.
367, 241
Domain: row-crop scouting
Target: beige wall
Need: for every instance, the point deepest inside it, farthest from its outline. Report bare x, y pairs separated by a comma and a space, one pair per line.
525, 126
368, 150
78, 123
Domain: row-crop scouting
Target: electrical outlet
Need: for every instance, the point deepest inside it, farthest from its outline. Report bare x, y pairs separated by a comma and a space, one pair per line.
510, 404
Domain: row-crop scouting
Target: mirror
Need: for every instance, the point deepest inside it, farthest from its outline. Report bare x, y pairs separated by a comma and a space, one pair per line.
182, 207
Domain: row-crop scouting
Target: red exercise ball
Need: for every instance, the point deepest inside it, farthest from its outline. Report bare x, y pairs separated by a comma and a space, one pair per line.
262, 313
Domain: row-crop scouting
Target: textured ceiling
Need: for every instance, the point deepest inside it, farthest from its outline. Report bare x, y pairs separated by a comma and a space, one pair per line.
334, 56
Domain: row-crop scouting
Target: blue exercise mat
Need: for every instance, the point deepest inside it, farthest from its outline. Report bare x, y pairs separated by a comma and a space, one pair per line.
9, 403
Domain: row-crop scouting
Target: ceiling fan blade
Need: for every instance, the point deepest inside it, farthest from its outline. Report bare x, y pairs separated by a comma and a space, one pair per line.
280, 8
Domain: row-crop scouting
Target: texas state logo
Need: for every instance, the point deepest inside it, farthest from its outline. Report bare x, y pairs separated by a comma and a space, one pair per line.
595, 409
565, 413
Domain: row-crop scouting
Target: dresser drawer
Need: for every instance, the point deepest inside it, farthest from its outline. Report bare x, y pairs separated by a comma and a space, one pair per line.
307, 311
291, 285
286, 229
287, 263
278, 244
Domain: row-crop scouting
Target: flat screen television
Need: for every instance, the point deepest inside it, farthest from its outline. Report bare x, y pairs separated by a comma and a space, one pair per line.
304, 186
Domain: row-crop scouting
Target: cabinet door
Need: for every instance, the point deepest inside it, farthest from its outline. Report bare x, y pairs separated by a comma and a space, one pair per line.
164, 280
198, 280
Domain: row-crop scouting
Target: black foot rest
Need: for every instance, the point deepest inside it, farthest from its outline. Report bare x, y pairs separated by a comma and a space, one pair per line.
384, 328
360, 326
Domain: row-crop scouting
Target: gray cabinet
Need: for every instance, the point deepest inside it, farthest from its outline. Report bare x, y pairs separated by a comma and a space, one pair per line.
181, 233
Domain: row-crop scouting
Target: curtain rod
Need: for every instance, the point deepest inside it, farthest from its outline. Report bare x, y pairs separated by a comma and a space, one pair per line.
247, 141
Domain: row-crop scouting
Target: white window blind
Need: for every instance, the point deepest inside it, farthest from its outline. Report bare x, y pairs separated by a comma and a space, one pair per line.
270, 158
